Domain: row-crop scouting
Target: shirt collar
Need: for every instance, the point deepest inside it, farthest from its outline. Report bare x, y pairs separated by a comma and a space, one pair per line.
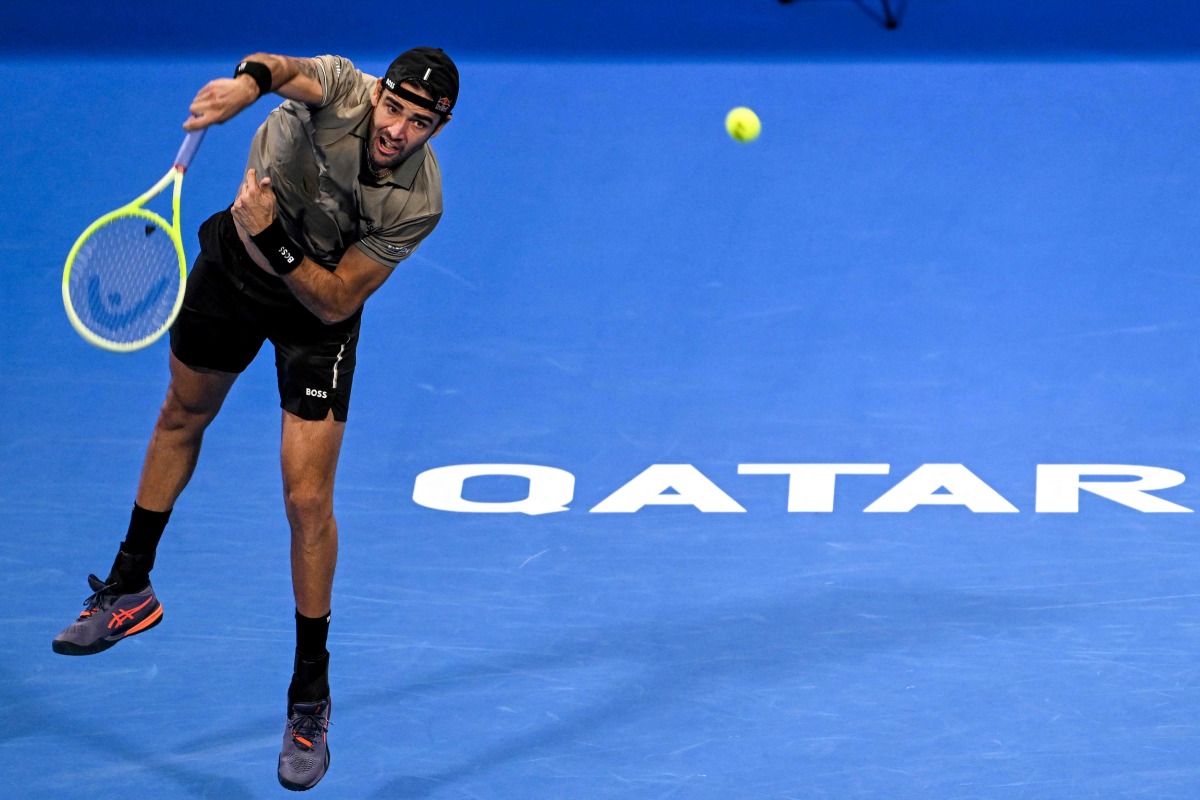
403, 175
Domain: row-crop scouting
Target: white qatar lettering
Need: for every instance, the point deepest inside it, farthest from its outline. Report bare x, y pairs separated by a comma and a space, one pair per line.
811, 488
690, 487
550, 489
1059, 485
924, 488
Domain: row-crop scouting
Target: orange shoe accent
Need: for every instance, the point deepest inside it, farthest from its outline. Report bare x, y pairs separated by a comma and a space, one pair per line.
121, 616
146, 623
303, 741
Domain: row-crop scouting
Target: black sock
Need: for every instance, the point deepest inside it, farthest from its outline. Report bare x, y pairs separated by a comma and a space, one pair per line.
145, 530
312, 633
136, 557
310, 680
310, 676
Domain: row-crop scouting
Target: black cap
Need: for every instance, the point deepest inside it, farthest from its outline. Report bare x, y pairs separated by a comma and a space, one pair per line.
427, 67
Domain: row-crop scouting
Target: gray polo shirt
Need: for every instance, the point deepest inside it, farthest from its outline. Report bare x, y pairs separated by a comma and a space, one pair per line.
314, 156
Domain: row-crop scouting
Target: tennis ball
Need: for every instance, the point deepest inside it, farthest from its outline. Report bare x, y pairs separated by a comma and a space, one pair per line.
743, 124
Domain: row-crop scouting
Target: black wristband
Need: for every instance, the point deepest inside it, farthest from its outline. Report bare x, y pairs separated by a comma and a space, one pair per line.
278, 248
257, 70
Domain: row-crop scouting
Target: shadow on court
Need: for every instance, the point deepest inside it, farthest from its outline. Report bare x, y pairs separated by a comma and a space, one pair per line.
674, 662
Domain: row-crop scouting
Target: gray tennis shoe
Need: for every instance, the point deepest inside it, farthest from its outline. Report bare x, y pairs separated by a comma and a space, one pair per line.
109, 615
305, 754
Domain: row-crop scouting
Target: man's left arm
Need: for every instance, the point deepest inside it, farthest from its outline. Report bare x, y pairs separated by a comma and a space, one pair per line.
334, 296
331, 296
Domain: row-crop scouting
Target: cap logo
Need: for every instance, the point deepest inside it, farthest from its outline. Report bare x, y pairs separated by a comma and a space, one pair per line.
430, 69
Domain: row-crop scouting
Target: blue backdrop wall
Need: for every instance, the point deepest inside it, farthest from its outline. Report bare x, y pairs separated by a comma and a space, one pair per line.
605, 28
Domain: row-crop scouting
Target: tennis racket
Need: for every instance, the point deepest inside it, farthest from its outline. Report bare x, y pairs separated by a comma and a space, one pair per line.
124, 278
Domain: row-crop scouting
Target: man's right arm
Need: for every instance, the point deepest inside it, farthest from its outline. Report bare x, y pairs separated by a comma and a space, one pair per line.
222, 99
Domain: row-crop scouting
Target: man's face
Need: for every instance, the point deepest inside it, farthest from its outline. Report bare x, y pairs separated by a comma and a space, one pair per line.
399, 128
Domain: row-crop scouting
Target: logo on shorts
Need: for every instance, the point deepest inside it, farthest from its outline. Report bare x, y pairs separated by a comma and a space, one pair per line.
316, 393
400, 251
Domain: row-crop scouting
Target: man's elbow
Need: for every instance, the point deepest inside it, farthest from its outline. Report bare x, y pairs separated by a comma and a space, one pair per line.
328, 318
332, 315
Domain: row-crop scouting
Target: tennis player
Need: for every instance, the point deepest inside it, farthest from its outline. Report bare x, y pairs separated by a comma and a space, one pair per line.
341, 185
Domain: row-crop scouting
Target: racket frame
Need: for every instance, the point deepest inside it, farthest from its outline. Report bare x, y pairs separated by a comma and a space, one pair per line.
135, 209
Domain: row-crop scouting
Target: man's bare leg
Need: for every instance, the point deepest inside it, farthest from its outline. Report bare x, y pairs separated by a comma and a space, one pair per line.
193, 399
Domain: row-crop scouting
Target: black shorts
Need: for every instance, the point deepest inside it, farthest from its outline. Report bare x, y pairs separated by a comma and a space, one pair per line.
231, 306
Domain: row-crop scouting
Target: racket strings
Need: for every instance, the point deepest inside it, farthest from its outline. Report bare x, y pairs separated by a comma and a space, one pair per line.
125, 279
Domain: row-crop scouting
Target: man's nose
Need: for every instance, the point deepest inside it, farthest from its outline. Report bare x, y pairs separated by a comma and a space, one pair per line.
398, 129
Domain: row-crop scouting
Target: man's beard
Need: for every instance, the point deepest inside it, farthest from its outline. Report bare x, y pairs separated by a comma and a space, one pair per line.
377, 168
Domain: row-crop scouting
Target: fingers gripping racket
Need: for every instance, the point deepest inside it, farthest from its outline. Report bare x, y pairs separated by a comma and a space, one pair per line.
124, 278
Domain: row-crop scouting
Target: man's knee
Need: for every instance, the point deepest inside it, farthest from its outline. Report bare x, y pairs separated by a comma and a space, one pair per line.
309, 508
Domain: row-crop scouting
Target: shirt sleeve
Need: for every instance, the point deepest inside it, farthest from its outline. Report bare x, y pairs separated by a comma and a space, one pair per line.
390, 246
341, 83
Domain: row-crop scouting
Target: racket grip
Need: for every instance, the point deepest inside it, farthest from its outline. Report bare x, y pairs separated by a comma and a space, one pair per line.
191, 143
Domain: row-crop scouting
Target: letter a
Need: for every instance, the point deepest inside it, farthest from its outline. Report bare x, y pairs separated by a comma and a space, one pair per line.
922, 487
691, 487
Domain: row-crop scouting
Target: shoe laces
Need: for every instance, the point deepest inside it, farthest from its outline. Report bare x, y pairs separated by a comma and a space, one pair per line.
102, 598
308, 729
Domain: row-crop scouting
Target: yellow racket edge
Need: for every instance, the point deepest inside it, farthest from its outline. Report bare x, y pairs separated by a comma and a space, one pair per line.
89, 335
133, 209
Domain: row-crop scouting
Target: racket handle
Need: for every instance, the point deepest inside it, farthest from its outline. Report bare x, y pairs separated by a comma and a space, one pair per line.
187, 151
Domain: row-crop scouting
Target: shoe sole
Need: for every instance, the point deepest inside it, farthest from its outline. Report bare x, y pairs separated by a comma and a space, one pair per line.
100, 645
300, 787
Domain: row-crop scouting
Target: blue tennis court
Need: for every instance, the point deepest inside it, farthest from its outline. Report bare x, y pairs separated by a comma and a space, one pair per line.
857, 461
